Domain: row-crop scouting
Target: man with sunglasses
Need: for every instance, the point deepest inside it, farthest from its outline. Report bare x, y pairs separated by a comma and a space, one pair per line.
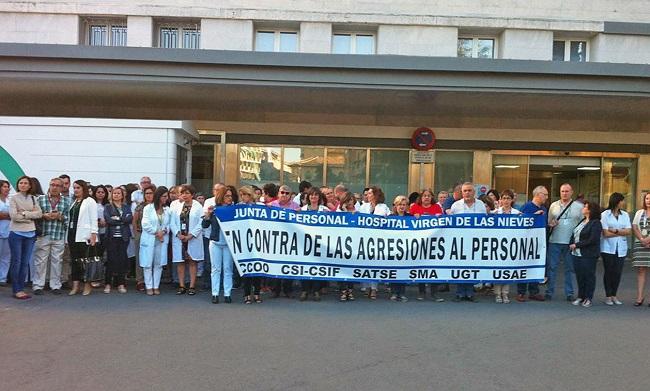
284, 201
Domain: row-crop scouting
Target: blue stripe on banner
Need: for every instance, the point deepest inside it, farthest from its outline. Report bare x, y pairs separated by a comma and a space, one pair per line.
249, 260
362, 220
358, 280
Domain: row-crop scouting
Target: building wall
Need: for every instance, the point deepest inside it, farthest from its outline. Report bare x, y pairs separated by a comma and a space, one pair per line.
39, 28
523, 30
620, 48
100, 151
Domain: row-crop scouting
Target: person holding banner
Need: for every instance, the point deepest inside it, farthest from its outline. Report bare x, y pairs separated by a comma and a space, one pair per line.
397, 290
585, 249
535, 206
641, 251
282, 285
315, 203
501, 291
424, 205
187, 243
156, 219
467, 204
251, 284
374, 206
348, 203
220, 256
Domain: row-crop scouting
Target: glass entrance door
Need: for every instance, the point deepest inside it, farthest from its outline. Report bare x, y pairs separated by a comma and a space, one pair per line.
583, 174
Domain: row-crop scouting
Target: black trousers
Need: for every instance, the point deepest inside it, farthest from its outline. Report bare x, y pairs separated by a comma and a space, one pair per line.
311, 286
77, 250
252, 282
282, 285
613, 265
117, 261
585, 269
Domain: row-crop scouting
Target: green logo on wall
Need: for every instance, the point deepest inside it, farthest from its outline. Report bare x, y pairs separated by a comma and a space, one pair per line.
9, 167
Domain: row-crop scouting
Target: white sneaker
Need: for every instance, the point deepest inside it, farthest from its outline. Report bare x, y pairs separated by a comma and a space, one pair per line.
617, 301
498, 299
576, 302
506, 299
608, 301
586, 303
403, 299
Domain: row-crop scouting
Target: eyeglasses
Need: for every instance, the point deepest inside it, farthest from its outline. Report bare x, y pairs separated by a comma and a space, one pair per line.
228, 195
285, 192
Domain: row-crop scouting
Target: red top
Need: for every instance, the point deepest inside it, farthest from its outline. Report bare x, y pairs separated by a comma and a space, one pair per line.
433, 209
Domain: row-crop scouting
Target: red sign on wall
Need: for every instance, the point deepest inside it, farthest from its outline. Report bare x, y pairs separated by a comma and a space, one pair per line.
423, 139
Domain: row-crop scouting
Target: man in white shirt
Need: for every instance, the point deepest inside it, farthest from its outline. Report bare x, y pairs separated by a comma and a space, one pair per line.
561, 221
205, 265
467, 204
137, 197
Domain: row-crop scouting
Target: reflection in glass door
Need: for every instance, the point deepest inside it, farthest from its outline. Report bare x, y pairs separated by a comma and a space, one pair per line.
583, 174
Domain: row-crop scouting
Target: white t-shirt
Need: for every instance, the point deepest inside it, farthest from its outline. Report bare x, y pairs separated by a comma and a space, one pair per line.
513, 211
321, 208
615, 244
460, 207
380, 209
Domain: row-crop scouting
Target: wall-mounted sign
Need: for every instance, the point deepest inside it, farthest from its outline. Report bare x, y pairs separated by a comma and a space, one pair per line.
423, 139
421, 156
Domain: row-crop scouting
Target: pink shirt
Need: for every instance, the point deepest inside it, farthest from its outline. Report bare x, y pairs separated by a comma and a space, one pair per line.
289, 205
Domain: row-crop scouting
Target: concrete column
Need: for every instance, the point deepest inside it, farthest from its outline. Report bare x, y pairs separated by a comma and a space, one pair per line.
642, 179
526, 45
140, 31
417, 40
315, 37
482, 167
630, 49
226, 34
39, 28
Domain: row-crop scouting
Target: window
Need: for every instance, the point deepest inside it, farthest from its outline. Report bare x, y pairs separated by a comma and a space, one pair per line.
183, 36
476, 47
276, 41
259, 165
574, 51
387, 168
348, 166
453, 167
303, 164
106, 32
353, 43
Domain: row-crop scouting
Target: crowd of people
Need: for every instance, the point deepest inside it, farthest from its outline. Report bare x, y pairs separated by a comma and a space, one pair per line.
79, 236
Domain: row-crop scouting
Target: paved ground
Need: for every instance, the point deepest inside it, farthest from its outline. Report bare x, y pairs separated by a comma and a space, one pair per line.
135, 342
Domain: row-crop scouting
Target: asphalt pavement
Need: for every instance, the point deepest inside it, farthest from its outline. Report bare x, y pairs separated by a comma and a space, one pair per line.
136, 342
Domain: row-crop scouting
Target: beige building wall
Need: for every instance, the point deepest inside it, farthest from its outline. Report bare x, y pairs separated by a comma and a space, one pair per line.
417, 40
620, 49
226, 34
315, 37
526, 45
140, 31
39, 28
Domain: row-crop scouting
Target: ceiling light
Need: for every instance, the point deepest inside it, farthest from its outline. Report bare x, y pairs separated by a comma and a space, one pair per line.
505, 166
589, 168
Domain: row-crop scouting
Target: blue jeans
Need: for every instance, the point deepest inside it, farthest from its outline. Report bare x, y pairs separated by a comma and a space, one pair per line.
21, 252
464, 290
557, 252
206, 263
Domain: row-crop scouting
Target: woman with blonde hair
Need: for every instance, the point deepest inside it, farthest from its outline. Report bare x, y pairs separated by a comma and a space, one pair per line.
400, 207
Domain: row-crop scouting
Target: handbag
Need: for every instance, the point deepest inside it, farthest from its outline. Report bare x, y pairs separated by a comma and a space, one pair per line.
92, 265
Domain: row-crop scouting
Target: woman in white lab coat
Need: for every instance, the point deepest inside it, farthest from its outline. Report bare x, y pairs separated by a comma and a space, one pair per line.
156, 219
187, 242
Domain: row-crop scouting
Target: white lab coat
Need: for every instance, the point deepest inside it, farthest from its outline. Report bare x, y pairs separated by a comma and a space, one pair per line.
195, 245
151, 225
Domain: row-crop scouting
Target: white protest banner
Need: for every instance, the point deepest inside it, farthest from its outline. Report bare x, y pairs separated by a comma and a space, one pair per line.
468, 248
